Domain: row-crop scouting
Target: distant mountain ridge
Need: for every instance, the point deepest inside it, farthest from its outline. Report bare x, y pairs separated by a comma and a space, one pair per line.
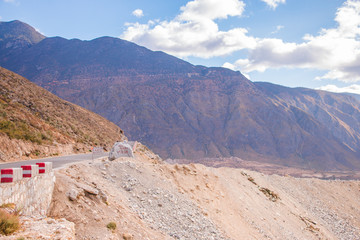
184, 111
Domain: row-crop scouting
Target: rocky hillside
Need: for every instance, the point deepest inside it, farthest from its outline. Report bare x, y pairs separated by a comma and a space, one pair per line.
339, 112
36, 123
192, 112
149, 199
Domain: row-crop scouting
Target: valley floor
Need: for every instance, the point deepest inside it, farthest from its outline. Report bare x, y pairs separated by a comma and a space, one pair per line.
151, 199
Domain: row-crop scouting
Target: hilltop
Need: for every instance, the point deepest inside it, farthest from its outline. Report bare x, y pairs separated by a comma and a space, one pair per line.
35, 123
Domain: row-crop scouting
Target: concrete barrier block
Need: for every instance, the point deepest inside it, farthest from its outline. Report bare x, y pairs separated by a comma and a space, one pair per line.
44, 167
18, 173
48, 167
11, 175
30, 171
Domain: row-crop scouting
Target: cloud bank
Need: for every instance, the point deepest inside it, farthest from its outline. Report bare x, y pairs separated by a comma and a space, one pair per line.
350, 89
194, 32
336, 50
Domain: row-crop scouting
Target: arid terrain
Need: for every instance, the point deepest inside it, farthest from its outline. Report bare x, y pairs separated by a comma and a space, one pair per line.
271, 168
181, 110
35, 123
246, 160
150, 199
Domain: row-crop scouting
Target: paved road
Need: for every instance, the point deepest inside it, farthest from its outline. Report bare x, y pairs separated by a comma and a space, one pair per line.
57, 161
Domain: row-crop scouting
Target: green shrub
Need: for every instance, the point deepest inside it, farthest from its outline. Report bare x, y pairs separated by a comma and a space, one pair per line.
9, 223
20, 130
111, 225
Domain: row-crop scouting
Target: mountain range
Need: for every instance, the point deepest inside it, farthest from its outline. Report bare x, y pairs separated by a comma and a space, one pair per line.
181, 110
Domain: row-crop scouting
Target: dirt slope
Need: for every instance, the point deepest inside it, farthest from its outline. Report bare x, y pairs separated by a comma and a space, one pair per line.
150, 199
36, 123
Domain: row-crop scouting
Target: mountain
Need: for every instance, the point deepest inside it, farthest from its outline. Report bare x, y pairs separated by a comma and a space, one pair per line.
15, 36
36, 123
185, 111
339, 112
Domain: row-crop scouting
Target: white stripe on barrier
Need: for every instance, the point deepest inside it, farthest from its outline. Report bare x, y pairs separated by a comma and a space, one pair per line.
26, 171
7, 175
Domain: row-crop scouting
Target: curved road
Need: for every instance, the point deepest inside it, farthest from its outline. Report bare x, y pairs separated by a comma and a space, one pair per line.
57, 161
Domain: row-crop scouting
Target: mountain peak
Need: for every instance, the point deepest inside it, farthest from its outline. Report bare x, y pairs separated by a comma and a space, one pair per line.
16, 34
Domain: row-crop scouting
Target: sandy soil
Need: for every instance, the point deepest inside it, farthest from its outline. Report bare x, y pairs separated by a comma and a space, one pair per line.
151, 199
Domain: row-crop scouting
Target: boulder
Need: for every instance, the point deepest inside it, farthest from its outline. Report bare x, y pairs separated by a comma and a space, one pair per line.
88, 188
73, 194
121, 149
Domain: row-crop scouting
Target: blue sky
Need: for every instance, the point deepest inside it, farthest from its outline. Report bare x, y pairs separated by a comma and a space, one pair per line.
306, 43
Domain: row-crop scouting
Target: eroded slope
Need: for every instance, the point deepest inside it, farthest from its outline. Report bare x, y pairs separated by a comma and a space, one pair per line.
150, 199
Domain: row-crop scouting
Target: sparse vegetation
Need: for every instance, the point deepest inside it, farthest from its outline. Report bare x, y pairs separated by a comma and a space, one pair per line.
111, 225
33, 116
310, 225
8, 205
36, 152
252, 180
270, 194
20, 130
9, 223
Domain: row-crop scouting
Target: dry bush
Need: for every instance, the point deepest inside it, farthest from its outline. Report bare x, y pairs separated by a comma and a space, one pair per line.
111, 225
9, 223
270, 194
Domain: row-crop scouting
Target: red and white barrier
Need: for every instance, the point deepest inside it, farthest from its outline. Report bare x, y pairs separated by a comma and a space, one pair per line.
44, 167
30, 171
11, 175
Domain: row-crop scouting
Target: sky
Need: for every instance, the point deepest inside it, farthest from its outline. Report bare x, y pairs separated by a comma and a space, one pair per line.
295, 43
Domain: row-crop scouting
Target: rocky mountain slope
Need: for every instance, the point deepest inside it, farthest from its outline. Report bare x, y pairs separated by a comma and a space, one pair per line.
193, 112
36, 123
339, 112
149, 199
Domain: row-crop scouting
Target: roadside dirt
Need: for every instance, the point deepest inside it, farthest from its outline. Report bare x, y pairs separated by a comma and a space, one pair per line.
151, 199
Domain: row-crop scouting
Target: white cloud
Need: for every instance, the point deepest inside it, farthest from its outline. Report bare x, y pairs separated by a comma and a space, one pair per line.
38, 30
138, 13
273, 3
194, 32
229, 66
211, 9
12, 2
336, 50
349, 89
278, 29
